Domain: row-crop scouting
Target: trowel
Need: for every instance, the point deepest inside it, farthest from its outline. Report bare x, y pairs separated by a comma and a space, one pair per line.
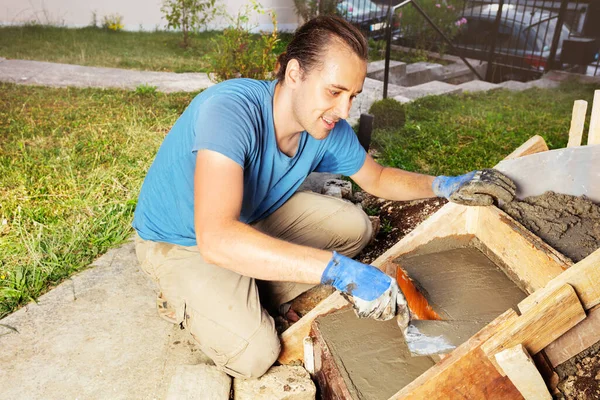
427, 334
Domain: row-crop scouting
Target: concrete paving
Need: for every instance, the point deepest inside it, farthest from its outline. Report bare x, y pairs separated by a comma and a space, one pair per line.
62, 75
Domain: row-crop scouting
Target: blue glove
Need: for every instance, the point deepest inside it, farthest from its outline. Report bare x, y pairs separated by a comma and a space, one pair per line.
477, 188
372, 293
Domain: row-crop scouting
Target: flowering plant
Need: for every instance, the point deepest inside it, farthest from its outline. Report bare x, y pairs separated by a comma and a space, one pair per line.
113, 22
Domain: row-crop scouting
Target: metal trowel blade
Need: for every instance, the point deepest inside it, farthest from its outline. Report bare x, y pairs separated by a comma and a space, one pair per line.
429, 337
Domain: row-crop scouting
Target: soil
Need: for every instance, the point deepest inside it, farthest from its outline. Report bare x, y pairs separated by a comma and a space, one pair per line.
580, 376
568, 223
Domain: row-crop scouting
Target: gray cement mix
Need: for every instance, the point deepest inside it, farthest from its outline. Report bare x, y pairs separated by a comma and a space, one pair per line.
371, 356
459, 281
570, 224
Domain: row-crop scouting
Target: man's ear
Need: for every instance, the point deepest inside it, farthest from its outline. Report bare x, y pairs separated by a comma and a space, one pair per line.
293, 73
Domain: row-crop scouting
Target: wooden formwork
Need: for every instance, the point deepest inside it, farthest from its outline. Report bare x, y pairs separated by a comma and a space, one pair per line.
559, 318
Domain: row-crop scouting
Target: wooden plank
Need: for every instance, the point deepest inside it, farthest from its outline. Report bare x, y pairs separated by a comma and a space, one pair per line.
583, 276
531, 263
534, 145
292, 345
519, 367
554, 315
465, 373
594, 132
577, 122
580, 337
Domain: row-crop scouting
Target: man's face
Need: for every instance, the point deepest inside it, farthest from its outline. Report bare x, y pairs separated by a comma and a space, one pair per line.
324, 95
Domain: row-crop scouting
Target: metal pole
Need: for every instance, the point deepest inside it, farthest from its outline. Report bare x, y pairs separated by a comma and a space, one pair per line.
420, 10
557, 32
388, 49
488, 72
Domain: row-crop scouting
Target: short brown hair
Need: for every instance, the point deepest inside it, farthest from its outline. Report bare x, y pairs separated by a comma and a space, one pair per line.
311, 39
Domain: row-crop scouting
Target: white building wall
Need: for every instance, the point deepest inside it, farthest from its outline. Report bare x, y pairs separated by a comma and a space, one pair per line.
137, 14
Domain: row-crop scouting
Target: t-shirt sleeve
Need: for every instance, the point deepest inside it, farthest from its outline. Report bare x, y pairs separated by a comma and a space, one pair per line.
344, 154
226, 125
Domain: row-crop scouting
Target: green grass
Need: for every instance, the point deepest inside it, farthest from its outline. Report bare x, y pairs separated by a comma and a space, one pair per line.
71, 165
454, 134
152, 51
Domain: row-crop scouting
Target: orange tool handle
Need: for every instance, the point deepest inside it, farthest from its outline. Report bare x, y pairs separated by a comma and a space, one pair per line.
416, 301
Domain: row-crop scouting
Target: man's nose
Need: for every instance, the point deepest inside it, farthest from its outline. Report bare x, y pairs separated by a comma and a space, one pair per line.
342, 109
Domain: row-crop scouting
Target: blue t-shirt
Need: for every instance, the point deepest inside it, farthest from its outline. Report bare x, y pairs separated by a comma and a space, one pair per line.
234, 118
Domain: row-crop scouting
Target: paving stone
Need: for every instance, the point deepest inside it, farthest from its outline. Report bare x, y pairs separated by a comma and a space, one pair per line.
279, 383
430, 89
514, 85
376, 70
421, 72
199, 382
62, 75
95, 336
478, 86
402, 99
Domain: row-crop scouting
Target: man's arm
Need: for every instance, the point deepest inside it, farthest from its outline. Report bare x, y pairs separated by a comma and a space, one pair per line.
393, 183
476, 188
225, 241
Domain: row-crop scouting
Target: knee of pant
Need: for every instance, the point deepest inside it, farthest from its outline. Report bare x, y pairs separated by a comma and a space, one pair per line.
260, 354
355, 229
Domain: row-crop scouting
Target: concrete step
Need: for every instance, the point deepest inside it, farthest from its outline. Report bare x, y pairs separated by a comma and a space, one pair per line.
543, 84
478, 86
421, 72
376, 70
372, 91
432, 88
514, 85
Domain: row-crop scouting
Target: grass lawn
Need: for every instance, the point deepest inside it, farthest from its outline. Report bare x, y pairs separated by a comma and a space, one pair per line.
71, 165
151, 51
455, 134
72, 162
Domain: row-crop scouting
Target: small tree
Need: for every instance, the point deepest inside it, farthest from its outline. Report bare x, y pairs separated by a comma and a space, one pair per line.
188, 15
239, 53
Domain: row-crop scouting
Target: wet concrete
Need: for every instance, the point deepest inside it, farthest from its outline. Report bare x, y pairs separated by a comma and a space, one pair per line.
371, 356
570, 224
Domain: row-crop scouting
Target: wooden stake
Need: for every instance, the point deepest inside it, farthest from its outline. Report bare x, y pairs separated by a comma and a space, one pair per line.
577, 121
519, 367
534, 145
594, 132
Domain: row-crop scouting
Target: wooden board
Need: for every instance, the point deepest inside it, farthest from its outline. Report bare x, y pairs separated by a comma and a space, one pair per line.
534, 145
577, 122
554, 315
466, 373
594, 132
583, 276
531, 263
520, 368
577, 339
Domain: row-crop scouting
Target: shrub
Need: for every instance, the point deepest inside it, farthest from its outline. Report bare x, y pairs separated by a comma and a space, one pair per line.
113, 22
188, 15
145, 90
239, 53
388, 113
444, 13
307, 9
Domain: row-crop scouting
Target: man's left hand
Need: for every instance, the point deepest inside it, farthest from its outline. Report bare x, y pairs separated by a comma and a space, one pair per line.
477, 188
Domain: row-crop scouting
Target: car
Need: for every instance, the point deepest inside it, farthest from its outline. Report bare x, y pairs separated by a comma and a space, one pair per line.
369, 17
523, 41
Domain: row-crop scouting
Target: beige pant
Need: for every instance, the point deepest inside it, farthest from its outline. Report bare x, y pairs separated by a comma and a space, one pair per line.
221, 308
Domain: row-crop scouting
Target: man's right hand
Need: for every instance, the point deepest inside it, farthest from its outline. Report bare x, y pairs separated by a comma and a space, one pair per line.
373, 293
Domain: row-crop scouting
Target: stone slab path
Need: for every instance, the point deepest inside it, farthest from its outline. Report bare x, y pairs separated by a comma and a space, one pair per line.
62, 75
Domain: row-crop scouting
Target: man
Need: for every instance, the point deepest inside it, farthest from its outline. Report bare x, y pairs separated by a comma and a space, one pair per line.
221, 227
